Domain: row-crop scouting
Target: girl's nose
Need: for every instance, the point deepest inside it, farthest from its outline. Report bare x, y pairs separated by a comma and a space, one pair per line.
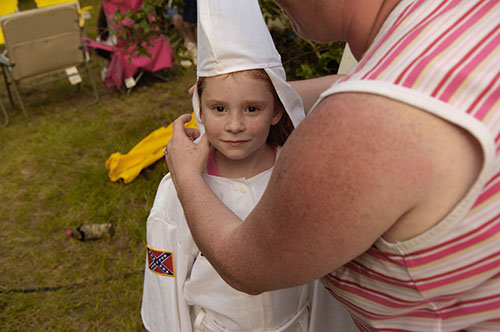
235, 122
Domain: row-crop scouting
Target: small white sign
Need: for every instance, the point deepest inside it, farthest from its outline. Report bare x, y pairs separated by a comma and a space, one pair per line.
129, 82
73, 75
85, 15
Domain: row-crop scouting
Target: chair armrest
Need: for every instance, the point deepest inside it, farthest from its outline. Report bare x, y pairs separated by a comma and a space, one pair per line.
4, 61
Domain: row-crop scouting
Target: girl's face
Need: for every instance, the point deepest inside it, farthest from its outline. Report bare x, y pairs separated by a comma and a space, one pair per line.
237, 111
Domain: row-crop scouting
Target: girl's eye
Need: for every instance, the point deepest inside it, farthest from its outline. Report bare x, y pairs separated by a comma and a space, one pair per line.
219, 108
252, 109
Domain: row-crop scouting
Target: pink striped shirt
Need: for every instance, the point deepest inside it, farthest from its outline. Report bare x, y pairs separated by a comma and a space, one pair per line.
442, 56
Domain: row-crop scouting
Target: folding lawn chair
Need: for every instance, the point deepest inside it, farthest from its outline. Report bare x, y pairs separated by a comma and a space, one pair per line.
84, 12
5, 115
125, 67
43, 41
6, 7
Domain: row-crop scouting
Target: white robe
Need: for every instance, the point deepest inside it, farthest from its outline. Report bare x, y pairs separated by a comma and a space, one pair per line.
196, 298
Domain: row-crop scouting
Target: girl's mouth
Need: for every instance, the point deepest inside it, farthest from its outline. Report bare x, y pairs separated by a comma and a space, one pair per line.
235, 143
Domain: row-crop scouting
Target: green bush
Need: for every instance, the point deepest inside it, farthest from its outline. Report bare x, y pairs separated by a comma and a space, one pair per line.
302, 59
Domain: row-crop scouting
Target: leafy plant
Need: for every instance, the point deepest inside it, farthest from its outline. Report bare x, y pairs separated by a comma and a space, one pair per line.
302, 59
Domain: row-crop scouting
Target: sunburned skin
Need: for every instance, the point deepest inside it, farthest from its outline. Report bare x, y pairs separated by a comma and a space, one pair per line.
385, 166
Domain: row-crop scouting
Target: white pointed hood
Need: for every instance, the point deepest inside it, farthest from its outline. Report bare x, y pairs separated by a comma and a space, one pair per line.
232, 36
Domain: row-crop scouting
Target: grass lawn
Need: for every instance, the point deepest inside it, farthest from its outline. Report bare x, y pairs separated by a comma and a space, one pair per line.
52, 177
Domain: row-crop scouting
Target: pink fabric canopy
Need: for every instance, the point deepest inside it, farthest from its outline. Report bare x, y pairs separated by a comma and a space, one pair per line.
124, 62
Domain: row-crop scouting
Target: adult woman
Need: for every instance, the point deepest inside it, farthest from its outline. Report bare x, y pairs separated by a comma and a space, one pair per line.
408, 239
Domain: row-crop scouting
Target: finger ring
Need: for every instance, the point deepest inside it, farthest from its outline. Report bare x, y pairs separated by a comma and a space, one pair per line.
165, 151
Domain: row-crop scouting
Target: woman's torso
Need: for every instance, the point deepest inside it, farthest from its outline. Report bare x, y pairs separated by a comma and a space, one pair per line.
441, 57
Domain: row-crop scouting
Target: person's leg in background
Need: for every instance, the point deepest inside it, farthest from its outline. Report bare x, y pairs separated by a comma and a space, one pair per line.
186, 25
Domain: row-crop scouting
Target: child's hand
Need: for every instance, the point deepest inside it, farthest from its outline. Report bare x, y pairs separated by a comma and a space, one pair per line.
185, 158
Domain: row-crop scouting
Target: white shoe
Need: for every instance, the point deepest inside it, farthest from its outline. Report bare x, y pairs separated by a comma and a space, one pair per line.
191, 48
186, 63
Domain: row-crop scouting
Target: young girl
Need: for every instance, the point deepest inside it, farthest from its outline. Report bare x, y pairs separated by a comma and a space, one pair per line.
247, 110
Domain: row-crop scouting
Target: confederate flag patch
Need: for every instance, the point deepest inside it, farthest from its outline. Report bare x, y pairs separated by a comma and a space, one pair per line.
161, 262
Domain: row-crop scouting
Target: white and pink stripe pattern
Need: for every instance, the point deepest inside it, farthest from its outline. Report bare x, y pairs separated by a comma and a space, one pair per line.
442, 56
430, 48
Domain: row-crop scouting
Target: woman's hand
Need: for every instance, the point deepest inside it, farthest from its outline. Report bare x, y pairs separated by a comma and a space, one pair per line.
185, 158
191, 90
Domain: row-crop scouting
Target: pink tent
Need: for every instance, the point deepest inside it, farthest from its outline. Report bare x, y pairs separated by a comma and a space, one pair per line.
124, 63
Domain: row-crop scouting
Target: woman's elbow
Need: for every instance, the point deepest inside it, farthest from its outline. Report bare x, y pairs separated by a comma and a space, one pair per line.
246, 286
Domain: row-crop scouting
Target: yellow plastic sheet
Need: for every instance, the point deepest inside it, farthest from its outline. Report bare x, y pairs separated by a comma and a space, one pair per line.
46, 3
6, 7
145, 153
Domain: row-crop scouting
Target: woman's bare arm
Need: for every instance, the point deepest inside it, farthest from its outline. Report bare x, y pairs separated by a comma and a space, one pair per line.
355, 167
310, 89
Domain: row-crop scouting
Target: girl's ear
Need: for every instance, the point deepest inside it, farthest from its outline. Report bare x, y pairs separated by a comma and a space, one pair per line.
277, 114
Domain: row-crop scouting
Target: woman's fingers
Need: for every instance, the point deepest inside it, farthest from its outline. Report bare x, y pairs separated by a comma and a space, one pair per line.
184, 157
191, 90
179, 123
192, 133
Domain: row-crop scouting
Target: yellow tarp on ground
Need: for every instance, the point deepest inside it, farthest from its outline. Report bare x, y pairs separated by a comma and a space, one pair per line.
145, 153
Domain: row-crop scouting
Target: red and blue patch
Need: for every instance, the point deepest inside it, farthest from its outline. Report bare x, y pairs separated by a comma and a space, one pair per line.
161, 262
